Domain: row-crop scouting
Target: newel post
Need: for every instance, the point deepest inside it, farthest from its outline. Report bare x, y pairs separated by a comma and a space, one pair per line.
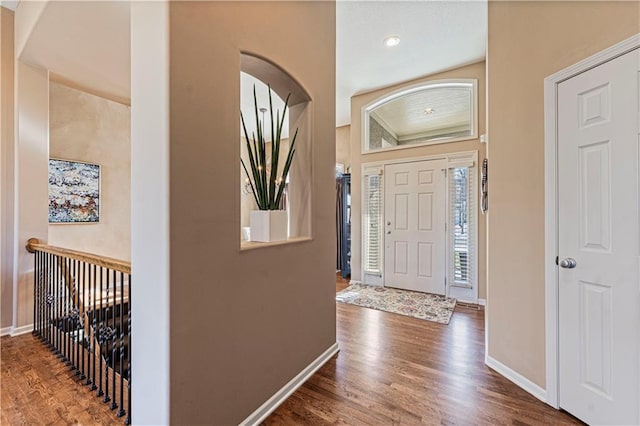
31, 242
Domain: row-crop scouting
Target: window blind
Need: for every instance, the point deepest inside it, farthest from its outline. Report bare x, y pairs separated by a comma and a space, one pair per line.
372, 222
462, 226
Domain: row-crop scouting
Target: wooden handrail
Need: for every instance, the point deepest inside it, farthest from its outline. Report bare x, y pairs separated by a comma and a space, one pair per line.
34, 244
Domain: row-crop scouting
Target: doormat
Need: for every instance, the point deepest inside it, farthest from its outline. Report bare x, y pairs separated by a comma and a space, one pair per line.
426, 306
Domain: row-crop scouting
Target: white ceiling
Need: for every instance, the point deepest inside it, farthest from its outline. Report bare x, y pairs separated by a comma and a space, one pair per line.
434, 36
89, 43
450, 106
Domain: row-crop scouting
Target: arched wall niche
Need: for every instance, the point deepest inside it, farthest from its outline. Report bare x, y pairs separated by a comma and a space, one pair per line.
280, 80
300, 117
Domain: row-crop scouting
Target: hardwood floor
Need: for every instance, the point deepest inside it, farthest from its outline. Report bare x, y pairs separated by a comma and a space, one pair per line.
341, 283
393, 369
38, 389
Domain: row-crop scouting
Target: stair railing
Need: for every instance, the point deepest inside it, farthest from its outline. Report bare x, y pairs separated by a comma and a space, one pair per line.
82, 311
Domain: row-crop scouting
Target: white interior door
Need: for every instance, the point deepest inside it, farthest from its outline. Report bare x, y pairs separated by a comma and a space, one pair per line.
599, 282
415, 210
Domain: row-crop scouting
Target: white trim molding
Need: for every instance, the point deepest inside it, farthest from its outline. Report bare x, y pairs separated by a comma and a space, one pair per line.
551, 201
418, 87
516, 378
473, 303
454, 159
279, 397
17, 331
369, 275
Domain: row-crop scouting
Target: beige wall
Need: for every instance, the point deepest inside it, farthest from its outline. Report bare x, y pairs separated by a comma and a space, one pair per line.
90, 129
243, 323
529, 41
343, 146
476, 71
7, 158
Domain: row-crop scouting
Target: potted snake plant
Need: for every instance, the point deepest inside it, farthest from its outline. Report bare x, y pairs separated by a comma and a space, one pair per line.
266, 180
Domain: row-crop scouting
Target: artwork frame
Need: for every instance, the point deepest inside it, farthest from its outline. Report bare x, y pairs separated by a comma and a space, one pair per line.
74, 192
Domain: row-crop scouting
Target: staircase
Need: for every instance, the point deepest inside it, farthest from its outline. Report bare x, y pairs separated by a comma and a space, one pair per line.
82, 312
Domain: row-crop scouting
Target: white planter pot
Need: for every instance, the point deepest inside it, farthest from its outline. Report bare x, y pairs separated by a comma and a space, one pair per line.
268, 225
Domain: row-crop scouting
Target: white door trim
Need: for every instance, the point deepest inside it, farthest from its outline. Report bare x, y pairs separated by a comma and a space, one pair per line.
551, 200
462, 156
460, 159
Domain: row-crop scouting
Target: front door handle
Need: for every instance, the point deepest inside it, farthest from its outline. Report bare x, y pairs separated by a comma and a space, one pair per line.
568, 263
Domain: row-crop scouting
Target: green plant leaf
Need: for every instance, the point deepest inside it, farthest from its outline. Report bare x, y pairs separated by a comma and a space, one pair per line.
253, 190
262, 163
266, 186
275, 144
256, 192
287, 165
283, 183
256, 171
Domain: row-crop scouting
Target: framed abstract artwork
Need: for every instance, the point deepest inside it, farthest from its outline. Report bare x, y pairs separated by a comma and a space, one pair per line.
74, 192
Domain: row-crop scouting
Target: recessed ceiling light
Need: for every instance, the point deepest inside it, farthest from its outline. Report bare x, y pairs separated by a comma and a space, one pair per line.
391, 40
429, 111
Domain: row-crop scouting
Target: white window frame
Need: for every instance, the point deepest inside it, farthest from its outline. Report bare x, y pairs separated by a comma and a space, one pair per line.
457, 159
467, 292
426, 85
368, 276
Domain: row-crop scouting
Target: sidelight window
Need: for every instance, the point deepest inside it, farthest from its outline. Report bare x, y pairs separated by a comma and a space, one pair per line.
461, 226
372, 225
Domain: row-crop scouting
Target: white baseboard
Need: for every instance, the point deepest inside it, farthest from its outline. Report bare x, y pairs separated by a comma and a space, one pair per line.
479, 302
279, 397
517, 378
5, 331
355, 282
17, 331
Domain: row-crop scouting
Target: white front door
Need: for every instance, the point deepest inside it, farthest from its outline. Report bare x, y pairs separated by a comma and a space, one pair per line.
415, 210
599, 282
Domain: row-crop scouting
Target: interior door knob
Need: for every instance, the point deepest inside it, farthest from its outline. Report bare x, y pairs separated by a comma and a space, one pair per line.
568, 263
